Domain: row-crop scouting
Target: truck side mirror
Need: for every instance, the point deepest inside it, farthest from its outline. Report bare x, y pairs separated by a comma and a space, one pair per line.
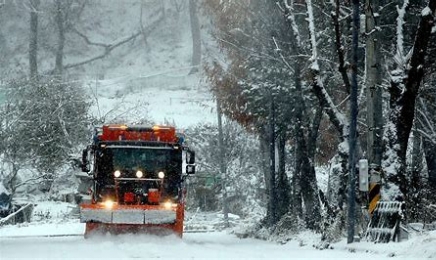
190, 157
190, 162
190, 169
85, 162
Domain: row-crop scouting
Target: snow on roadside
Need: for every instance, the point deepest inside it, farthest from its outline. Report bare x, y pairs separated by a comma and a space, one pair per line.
418, 246
48, 218
214, 243
46, 211
70, 227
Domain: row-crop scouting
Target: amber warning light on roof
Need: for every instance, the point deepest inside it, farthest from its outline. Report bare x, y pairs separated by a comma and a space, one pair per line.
139, 133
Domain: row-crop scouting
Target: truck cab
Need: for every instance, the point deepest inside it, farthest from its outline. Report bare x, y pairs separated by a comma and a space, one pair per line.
139, 168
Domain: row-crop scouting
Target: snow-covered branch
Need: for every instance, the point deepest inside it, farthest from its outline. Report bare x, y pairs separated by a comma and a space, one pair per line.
336, 117
310, 19
279, 51
399, 57
5, 220
290, 16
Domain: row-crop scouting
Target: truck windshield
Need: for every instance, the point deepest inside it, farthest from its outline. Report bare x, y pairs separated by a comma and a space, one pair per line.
129, 159
152, 160
132, 158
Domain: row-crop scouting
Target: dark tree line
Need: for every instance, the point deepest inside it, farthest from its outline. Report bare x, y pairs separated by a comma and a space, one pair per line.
288, 73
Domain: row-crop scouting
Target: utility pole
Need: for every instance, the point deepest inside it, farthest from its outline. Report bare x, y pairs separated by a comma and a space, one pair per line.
353, 126
374, 115
373, 86
223, 168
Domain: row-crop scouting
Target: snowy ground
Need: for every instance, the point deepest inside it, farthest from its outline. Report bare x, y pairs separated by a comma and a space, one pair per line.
212, 245
41, 239
156, 86
192, 246
152, 83
164, 98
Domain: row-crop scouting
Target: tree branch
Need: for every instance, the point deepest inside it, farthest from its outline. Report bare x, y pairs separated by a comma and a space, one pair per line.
313, 131
110, 47
413, 77
30, 180
89, 42
337, 118
340, 48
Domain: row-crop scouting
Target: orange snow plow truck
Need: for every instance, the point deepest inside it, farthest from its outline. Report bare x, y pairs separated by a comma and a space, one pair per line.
138, 176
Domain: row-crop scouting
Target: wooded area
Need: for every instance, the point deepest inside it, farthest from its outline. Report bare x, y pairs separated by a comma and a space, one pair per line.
290, 73
283, 74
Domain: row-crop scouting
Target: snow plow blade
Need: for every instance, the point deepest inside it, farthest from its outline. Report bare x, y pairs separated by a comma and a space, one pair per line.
119, 219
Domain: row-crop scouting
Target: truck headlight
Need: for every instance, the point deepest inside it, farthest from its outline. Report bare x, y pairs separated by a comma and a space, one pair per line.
139, 174
161, 175
169, 205
117, 174
108, 204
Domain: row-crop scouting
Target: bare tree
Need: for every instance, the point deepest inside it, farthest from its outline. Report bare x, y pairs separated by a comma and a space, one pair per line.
33, 43
107, 48
60, 24
196, 37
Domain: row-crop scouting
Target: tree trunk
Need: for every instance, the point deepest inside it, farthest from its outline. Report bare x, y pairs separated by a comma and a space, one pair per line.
313, 133
272, 205
283, 188
33, 43
223, 167
309, 191
141, 24
353, 126
340, 50
196, 38
415, 192
402, 104
304, 184
430, 158
305, 169
264, 146
59, 17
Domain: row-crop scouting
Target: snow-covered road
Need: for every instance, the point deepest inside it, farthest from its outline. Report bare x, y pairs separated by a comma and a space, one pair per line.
31, 241
217, 245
